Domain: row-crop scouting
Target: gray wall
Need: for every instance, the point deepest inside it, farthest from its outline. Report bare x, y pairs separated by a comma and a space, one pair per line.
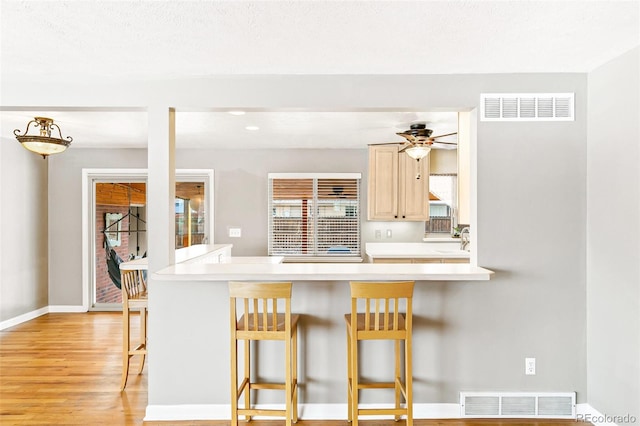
23, 230
613, 235
531, 213
65, 215
241, 190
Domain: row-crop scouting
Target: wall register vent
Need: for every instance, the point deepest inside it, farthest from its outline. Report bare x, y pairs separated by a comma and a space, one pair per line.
527, 107
556, 405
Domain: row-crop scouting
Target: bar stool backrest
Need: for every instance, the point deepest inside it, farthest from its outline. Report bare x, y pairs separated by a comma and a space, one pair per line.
254, 310
382, 318
133, 284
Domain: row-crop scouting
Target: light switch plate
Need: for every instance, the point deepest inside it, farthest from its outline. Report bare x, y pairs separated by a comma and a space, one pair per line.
235, 232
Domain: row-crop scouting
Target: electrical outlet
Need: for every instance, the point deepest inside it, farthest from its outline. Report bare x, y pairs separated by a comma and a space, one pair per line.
388, 233
378, 234
235, 232
530, 366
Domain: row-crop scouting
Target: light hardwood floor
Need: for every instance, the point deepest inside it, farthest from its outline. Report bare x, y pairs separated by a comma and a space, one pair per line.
64, 369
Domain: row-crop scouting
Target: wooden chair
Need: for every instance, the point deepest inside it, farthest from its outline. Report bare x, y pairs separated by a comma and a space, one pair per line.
134, 298
261, 320
380, 321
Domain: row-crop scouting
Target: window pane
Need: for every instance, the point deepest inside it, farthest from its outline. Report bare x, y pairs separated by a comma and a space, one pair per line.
291, 227
190, 213
338, 217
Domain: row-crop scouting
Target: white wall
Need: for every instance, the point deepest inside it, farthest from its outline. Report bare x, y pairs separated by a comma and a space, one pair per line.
23, 230
613, 237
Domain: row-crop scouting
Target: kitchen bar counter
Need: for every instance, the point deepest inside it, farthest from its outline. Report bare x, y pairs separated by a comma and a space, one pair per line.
189, 332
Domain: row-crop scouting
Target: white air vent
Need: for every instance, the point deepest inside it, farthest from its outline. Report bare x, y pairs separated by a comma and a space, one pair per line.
518, 405
527, 107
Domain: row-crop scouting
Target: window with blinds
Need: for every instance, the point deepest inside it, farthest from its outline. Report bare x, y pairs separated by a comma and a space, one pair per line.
314, 215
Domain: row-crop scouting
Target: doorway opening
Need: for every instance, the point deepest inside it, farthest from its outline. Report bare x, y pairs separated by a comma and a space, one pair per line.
114, 225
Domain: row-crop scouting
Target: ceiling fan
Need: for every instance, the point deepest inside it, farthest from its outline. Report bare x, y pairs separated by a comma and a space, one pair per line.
419, 140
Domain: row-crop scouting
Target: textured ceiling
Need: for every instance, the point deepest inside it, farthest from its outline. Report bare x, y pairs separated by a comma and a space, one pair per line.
182, 38
77, 40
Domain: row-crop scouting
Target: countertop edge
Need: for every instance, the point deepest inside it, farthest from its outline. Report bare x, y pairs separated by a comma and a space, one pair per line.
323, 272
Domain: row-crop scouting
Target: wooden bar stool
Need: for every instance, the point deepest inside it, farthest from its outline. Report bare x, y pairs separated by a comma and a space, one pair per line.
134, 298
261, 320
380, 321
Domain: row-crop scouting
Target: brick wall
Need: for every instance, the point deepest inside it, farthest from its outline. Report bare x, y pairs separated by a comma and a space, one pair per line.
106, 291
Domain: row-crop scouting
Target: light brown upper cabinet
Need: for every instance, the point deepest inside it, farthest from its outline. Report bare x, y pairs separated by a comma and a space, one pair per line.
395, 191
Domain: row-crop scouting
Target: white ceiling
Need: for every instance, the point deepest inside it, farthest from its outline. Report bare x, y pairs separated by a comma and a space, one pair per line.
79, 40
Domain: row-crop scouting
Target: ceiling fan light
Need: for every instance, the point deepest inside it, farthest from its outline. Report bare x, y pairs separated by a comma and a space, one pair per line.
418, 152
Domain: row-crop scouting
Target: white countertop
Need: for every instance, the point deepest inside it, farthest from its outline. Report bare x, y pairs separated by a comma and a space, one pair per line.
441, 240
205, 267
322, 272
191, 253
440, 250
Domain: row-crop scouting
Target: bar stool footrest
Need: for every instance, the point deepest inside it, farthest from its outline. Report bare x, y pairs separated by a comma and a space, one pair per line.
379, 411
262, 412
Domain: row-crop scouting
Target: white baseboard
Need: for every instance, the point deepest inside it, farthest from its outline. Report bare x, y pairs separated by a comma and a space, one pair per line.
305, 412
23, 318
67, 308
187, 412
39, 312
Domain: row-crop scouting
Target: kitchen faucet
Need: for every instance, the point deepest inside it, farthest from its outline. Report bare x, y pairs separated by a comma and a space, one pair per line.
465, 238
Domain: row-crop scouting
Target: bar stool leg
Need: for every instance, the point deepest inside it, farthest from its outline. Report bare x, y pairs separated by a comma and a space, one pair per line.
408, 365
234, 382
125, 347
398, 377
143, 336
349, 379
287, 387
247, 377
354, 378
295, 373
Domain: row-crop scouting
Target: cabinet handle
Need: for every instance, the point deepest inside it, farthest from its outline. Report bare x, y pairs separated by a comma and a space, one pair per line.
403, 216
396, 216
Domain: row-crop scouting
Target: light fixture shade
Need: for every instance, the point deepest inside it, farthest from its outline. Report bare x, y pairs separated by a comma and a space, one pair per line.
43, 143
418, 152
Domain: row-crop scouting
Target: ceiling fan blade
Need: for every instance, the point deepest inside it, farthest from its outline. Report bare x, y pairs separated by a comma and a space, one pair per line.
445, 143
405, 147
442, 136
386, 143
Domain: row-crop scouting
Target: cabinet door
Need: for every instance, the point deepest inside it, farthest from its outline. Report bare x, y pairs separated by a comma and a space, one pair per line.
414, 192
383, 183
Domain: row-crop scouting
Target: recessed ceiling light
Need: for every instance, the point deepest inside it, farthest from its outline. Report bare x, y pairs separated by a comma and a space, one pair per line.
237, 112
252, 128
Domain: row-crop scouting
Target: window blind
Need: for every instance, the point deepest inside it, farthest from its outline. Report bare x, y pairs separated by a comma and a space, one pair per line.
314, 215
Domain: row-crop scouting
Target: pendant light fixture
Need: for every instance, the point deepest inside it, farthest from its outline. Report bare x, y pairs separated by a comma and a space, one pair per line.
43, 143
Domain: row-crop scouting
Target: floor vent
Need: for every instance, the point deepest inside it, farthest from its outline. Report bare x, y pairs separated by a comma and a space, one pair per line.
556, 405
527, 107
